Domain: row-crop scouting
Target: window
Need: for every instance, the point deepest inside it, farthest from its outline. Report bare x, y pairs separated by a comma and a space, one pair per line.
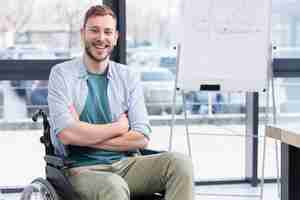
285, 36
152, 49
41, 29
285, 28
157, 76
31, 30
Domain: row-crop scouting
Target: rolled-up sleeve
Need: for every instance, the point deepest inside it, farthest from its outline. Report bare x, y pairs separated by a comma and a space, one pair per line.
137, 112
59, 101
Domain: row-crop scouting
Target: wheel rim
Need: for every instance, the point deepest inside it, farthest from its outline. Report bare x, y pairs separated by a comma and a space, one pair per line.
38, 191
44, 193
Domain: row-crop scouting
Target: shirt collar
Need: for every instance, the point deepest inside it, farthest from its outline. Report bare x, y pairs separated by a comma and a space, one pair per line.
83, 74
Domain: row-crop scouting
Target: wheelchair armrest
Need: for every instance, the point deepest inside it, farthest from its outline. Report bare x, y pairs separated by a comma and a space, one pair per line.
149, 151
57, 161
142, 152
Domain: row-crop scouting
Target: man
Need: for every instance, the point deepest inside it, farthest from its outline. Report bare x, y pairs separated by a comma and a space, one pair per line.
97, 114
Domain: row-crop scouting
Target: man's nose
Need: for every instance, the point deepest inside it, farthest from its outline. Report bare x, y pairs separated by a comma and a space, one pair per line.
100, 36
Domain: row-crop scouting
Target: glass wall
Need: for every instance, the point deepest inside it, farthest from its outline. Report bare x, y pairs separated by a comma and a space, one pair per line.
152, 33
285, 28
31, 30
285, 37
35, 29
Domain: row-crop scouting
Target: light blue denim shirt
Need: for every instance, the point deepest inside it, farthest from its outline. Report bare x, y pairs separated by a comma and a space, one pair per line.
68, 90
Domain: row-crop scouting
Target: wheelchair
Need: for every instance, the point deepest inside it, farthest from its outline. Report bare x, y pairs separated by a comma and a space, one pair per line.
56, 186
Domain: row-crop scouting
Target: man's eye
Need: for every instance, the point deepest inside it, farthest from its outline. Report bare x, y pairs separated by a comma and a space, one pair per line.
94, 30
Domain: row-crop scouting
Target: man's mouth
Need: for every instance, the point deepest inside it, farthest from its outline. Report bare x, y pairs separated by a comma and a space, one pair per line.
100, 46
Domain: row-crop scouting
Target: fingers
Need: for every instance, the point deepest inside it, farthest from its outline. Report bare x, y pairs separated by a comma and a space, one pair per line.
125, 114
123, 123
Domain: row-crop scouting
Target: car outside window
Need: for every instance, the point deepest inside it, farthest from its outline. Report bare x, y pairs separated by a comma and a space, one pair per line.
157, 76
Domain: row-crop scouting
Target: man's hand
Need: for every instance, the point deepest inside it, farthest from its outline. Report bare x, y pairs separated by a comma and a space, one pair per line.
122, 123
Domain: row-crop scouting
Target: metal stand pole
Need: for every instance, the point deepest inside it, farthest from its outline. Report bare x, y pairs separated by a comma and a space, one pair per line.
187, 134
270, 79
174, 99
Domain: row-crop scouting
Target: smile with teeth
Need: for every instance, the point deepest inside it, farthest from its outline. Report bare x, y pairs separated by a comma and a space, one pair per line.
101, 47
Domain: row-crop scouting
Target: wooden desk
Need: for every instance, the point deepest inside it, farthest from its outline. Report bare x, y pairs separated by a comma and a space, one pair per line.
290, 158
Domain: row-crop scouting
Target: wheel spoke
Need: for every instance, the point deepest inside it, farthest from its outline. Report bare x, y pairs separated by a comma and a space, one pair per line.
39, 189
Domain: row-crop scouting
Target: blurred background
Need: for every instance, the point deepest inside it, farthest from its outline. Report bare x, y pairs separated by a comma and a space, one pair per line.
32, 30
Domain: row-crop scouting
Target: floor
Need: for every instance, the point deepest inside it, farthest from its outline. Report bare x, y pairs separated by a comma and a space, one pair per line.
236, 192
220, 192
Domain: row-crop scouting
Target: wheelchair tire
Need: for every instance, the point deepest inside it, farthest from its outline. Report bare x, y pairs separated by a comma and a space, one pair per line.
40, 189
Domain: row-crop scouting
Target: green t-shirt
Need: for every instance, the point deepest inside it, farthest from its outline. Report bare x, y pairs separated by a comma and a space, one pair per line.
96, 111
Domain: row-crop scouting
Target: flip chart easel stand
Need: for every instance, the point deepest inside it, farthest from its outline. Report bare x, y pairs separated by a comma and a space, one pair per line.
187, 133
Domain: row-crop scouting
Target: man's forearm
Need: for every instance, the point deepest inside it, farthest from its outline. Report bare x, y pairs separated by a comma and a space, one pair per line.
129, 141
85, 134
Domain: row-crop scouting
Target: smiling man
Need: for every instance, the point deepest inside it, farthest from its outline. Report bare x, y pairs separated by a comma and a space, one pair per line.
98, 114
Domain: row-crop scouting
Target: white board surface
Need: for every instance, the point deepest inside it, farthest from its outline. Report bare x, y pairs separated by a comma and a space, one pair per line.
224, 42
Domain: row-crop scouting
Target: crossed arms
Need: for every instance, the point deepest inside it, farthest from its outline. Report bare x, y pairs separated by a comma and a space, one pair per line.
114, 136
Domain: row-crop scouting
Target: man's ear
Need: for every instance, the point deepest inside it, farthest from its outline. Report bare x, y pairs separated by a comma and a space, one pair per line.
81, 33
82, 36
116, 38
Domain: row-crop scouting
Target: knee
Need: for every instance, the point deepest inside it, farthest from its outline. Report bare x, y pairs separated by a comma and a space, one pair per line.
114, 186
182, 165
96, 186
115, 183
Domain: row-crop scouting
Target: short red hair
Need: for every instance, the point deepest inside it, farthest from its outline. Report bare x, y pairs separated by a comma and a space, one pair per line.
98, 10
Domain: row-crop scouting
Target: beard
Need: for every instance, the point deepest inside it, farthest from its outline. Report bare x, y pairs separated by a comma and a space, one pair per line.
88, 50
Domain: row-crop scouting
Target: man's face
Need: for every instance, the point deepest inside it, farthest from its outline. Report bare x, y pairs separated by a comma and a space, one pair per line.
99, 37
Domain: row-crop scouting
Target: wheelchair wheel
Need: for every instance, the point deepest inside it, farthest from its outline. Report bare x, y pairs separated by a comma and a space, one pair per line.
39, 189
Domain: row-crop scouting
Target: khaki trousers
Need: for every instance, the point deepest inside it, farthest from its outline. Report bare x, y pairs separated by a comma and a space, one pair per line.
140, 175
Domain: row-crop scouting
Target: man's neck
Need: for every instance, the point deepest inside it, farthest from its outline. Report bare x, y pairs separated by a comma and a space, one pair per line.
95, 67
